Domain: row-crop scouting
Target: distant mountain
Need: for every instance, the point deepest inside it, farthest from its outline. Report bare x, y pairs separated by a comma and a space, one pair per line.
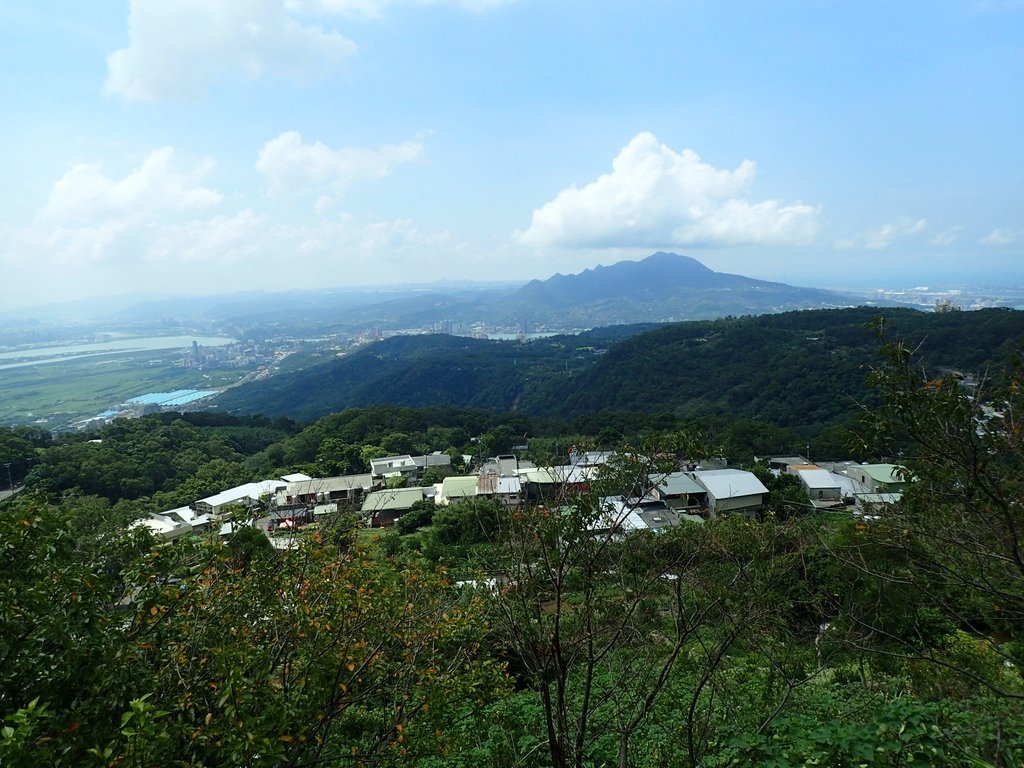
662, 287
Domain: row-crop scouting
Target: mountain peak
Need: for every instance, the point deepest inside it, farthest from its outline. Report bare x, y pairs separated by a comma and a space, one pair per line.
661, 286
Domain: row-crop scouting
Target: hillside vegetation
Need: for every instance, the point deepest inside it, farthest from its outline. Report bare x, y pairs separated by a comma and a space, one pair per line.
800, 370
529, 635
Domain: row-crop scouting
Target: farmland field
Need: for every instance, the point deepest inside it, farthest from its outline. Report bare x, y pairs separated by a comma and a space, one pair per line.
53, 394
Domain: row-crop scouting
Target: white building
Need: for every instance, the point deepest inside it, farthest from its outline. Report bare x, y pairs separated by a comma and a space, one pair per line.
248, 495
731, 490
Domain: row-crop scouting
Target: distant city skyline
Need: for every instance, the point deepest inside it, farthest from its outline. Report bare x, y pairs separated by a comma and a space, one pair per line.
182, 146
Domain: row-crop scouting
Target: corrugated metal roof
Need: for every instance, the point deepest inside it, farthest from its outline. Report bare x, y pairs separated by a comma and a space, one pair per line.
818, 478
391, 499
729, 483
459, 486
329, 484
675, 484
883, 473
551, 475
249, 490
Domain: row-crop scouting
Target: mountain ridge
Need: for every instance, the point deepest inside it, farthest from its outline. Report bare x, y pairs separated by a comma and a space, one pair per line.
661, 287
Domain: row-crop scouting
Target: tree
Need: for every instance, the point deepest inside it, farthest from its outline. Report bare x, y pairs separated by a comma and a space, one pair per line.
339, 458
599, 623
201, 654
956, 539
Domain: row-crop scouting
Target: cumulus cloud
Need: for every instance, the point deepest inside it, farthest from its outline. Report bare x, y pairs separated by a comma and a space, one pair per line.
1001, 236
882, 237
90, 216
162, 224
162, 213
288, 163
655, 197
223, 238
87, 194
175, 49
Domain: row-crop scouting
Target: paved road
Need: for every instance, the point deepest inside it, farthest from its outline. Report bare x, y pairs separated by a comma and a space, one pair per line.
7, 493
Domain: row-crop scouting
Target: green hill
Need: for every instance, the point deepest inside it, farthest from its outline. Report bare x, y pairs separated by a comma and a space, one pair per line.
797, 369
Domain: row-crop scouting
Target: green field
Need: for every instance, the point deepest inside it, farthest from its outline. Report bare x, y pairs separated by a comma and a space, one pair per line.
55, 394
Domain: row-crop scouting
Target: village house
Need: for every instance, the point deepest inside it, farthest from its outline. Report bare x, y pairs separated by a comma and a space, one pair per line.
393, 466
879, 478
679, 491
320, 490
620, 515
731, 490
546, 483
819, 483
382, 508
506, 489
437, 460
455, 488
250, 495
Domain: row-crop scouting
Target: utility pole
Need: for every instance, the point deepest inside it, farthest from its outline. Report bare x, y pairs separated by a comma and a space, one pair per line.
10, 481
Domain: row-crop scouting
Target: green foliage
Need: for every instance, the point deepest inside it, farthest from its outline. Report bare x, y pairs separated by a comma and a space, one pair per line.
421, 514
18, 449
787, 495
462, 529
954, 541
335, 458
201, 654
896, 732
800, 372
248, 544
798, 640
152, 455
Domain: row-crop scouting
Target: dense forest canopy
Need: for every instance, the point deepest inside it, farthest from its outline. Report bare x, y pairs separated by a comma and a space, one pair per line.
803, 371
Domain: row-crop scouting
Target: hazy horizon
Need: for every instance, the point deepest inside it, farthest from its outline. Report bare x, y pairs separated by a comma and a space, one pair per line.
195, 148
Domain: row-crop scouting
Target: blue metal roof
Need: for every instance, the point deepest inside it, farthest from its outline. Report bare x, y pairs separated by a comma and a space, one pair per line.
172, 399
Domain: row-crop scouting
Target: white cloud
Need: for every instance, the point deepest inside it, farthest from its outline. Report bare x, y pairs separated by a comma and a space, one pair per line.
162, 216
288, 164
178, 47
885, 234
657, 197
882, 237
376, 8
86, 194
1001, 236
947, 236
219, 239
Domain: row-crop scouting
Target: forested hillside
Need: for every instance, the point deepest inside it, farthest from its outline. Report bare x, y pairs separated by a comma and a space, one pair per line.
804, 370
434, 370
798, 369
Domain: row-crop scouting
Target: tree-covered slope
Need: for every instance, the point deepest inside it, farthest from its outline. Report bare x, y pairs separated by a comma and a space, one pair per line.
803, 369
794, 369
414, 371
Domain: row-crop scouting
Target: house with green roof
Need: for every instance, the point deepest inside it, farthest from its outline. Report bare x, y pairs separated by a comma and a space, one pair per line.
456, 488
879, 478
382, 508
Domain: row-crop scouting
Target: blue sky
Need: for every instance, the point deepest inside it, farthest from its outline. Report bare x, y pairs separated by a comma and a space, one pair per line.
199, 146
